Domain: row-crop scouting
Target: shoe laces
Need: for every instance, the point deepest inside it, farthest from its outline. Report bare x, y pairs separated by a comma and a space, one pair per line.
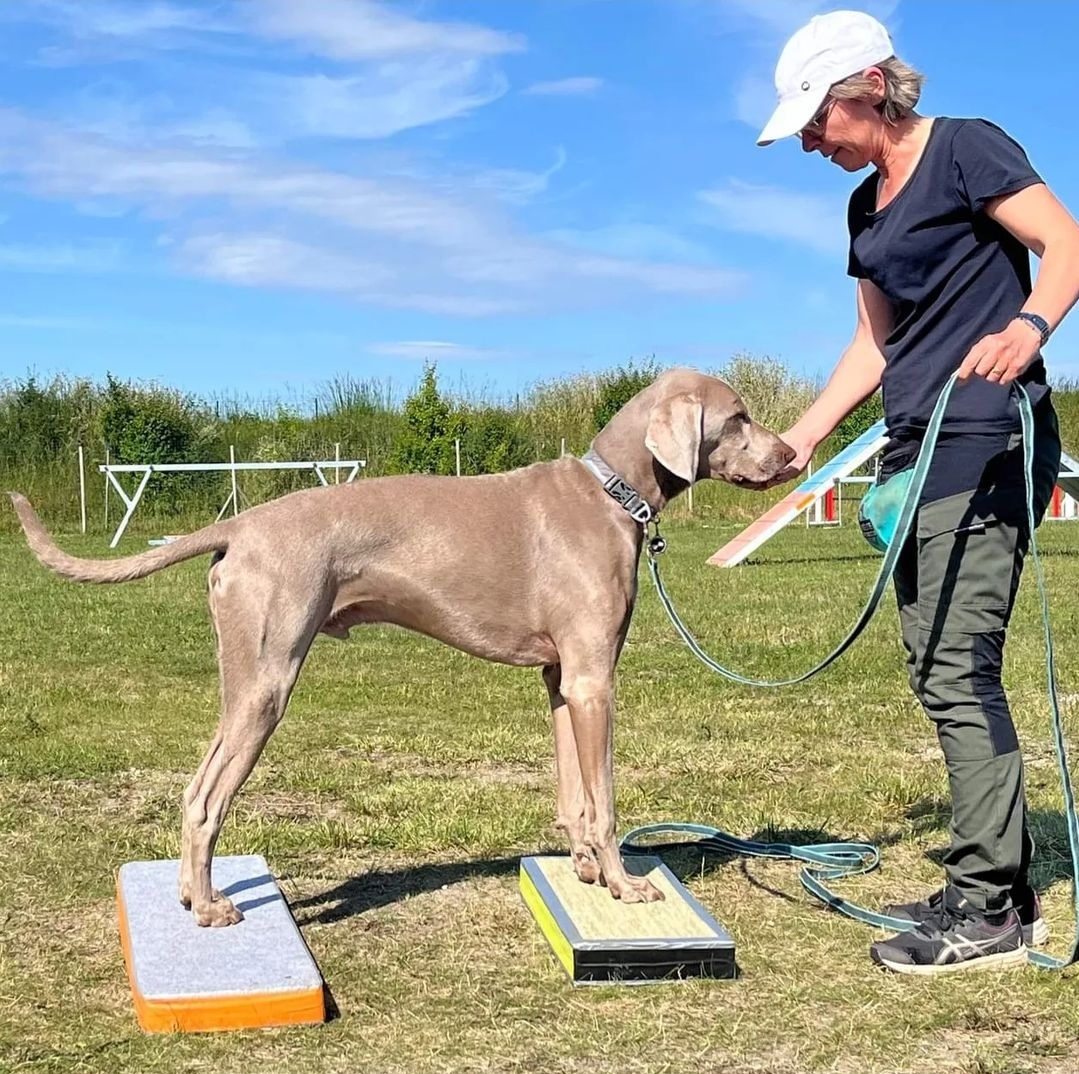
947, 914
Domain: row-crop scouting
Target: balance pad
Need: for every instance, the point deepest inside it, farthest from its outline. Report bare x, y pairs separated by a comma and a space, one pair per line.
600, 940
250, 975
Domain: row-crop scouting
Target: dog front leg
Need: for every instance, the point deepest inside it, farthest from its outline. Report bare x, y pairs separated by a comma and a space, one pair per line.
571, 800
591, 710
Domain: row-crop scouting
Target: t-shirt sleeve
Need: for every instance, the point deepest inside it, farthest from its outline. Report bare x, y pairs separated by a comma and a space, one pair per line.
989, 163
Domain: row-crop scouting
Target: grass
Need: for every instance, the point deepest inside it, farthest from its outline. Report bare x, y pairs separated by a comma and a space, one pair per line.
396, 799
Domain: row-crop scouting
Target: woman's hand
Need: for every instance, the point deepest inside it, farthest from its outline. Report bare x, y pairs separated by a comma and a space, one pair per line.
803, 446
1003, 356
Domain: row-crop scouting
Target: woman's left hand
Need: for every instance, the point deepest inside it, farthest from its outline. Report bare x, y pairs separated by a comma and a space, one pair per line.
1003, 356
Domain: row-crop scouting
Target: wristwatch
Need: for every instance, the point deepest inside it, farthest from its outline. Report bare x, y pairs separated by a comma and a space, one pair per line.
1039, 324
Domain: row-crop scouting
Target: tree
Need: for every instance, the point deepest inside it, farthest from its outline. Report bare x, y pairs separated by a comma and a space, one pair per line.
425, 445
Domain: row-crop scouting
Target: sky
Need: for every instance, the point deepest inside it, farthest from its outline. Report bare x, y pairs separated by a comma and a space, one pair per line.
253, 199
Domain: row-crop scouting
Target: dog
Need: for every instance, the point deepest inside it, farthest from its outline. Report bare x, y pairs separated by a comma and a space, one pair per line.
536, 567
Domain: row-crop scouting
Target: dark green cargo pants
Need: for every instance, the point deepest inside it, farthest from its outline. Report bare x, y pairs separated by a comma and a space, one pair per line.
955, 583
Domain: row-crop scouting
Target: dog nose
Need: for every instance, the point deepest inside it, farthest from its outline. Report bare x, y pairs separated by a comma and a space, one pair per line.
786, 453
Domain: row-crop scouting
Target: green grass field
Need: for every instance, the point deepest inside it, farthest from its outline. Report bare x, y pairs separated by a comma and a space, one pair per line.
395, 801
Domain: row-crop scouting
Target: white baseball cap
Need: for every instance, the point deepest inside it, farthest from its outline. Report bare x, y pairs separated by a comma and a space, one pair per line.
826, 50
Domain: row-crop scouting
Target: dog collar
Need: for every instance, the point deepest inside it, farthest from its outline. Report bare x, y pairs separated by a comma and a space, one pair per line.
630, 500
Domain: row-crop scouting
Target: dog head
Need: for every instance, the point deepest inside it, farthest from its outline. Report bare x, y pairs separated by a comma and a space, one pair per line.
699, 427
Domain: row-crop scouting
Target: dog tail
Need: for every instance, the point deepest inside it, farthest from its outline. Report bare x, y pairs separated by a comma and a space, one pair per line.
211, 539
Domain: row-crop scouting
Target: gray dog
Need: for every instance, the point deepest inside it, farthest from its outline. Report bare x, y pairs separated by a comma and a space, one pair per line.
536, 567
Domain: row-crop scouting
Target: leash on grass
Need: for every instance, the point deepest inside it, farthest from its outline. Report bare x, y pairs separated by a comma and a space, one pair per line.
837, 861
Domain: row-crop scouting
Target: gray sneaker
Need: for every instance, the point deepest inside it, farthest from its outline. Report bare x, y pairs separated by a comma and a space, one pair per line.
958, 937
1024, 899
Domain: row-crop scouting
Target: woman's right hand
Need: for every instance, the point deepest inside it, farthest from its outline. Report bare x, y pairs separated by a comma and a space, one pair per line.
803, 445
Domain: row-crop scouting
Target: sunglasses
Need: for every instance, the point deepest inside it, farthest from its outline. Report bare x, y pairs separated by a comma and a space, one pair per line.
820, 117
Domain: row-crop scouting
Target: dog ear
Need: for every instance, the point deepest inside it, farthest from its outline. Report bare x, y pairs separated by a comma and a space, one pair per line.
674, 434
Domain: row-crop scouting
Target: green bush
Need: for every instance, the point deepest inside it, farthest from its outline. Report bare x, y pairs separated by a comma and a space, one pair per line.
492, 442
619, 386
143, 425
862, 419
425, 444
43, 424
774, 396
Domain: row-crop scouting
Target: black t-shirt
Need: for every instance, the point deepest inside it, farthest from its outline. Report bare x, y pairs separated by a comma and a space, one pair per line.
952, 276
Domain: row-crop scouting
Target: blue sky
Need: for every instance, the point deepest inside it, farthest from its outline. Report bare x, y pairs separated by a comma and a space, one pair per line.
254, 198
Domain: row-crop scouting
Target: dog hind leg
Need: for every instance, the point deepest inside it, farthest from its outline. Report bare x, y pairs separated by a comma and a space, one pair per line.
264, 634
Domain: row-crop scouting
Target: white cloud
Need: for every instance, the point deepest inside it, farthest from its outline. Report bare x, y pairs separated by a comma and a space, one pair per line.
383, 100
16, 320
353, 68
779, 17
105, 18
633, 240
266, 260
391, 242
334, 29
754, 100
806, 219
356, 29
516, 185
564, 87
62, 257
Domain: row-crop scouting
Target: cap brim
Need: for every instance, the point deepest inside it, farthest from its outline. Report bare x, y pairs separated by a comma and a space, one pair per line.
790, 117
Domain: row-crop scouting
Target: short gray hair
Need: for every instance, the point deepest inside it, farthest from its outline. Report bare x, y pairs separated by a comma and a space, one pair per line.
902, 89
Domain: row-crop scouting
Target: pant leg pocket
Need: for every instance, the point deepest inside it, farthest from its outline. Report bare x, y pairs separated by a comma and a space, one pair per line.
968, 569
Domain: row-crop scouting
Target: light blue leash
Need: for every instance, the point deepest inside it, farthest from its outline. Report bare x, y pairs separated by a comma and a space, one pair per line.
835, 861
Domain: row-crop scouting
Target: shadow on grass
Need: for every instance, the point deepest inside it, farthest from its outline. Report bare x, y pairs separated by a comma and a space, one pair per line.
688, 861
790, 561
382, 887
1052, 855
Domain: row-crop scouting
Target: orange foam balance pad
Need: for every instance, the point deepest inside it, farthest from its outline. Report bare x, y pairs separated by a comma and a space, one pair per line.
252, 975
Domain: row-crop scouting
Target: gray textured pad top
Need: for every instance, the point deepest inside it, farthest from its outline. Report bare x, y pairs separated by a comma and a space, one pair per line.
173, 957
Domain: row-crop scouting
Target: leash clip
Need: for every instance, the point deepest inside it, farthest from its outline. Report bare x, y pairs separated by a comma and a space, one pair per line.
657, 545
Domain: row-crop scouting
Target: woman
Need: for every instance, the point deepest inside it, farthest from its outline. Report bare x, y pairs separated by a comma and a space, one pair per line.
940, 234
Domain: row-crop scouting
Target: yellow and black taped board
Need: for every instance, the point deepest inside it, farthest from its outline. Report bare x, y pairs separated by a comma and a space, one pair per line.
600, 940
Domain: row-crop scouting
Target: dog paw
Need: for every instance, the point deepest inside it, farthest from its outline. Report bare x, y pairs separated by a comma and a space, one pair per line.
219, 913
587, 870
637, 889
186, 898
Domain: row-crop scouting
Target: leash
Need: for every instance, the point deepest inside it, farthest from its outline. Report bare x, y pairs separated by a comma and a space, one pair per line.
837, 861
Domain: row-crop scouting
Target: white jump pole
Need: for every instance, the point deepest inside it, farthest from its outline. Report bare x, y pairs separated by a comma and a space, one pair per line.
457, 453
337, 461
106, 491
82, 487
235, 492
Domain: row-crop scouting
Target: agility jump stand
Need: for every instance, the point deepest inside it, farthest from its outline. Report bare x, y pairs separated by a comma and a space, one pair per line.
232, 467
1062, 507
807, 496
804, 496
826, 510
